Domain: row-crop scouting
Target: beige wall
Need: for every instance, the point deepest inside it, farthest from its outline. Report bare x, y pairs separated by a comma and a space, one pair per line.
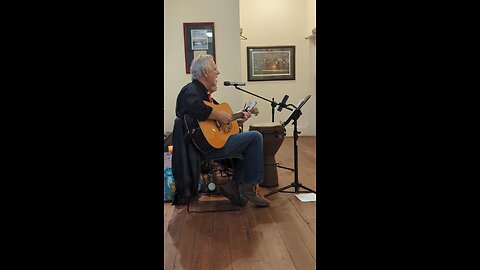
225, 15
282, 22
264, 23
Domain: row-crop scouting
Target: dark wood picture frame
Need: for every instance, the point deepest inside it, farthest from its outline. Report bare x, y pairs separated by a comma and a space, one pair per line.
199, 38
270, 63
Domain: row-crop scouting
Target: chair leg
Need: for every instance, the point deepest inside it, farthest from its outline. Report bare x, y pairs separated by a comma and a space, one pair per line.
229, 173
236, 182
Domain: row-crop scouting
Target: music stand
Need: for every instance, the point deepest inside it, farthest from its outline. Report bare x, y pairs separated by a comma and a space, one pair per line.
294, 117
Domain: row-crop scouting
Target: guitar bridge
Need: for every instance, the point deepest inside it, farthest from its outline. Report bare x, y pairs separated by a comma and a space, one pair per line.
227, 128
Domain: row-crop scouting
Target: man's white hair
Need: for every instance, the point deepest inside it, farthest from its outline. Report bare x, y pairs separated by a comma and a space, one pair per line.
199, 64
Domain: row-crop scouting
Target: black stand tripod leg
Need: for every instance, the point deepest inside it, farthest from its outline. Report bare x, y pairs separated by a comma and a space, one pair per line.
289, 186
285, 168
278, 190
304, 187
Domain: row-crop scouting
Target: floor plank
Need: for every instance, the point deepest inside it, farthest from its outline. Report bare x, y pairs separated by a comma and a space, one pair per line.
186, 243
312, 223
306, 209
238, 241
203, 249
221, 244
172, 235
276, 252
299, 225
297, 249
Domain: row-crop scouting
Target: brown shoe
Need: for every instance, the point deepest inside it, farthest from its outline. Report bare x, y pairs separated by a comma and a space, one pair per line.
252, 193
230, 190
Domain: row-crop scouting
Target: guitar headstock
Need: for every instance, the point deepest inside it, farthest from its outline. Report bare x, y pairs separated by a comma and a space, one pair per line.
254, 111
250, 107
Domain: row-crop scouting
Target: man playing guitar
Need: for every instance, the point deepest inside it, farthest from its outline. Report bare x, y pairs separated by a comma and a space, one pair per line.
191, 103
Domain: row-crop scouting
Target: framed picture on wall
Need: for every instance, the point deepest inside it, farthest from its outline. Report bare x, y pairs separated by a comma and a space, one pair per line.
199, 38
271, 63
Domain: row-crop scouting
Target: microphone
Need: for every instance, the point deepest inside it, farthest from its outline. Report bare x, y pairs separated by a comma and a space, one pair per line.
282, 104
227, 83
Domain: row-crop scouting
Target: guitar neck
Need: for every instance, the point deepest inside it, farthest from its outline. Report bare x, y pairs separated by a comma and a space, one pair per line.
226, 108
239, 115
236, 116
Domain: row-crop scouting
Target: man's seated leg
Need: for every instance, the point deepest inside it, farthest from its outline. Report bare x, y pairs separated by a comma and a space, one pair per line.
248, 170
251, 193
232, 192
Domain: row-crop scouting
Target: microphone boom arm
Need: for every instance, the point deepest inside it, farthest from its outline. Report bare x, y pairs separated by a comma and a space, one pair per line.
273, 102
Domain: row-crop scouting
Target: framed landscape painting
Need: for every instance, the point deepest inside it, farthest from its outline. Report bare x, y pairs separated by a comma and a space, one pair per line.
271, 63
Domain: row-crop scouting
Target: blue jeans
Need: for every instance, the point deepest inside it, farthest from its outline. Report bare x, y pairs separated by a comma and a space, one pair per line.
248, 170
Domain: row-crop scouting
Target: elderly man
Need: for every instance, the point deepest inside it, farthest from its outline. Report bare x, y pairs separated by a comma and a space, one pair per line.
248, 172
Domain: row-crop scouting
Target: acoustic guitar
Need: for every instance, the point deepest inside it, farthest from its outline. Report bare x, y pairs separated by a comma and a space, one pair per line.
211, 134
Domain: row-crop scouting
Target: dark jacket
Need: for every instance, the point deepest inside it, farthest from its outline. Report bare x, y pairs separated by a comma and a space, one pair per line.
186, 158
185, 164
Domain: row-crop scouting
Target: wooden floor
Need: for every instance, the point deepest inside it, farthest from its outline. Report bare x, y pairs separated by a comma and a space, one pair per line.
282, 236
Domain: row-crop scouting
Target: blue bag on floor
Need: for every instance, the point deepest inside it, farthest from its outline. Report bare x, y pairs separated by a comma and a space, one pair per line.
169, 181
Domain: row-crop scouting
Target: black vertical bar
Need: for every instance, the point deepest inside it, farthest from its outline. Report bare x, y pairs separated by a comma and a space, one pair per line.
295, 148
273, 110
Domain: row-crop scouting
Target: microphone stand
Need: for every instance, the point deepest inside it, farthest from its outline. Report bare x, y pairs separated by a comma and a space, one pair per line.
274, 104
295, 184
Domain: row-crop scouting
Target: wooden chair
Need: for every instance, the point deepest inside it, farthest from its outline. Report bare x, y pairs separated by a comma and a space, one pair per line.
210, 199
